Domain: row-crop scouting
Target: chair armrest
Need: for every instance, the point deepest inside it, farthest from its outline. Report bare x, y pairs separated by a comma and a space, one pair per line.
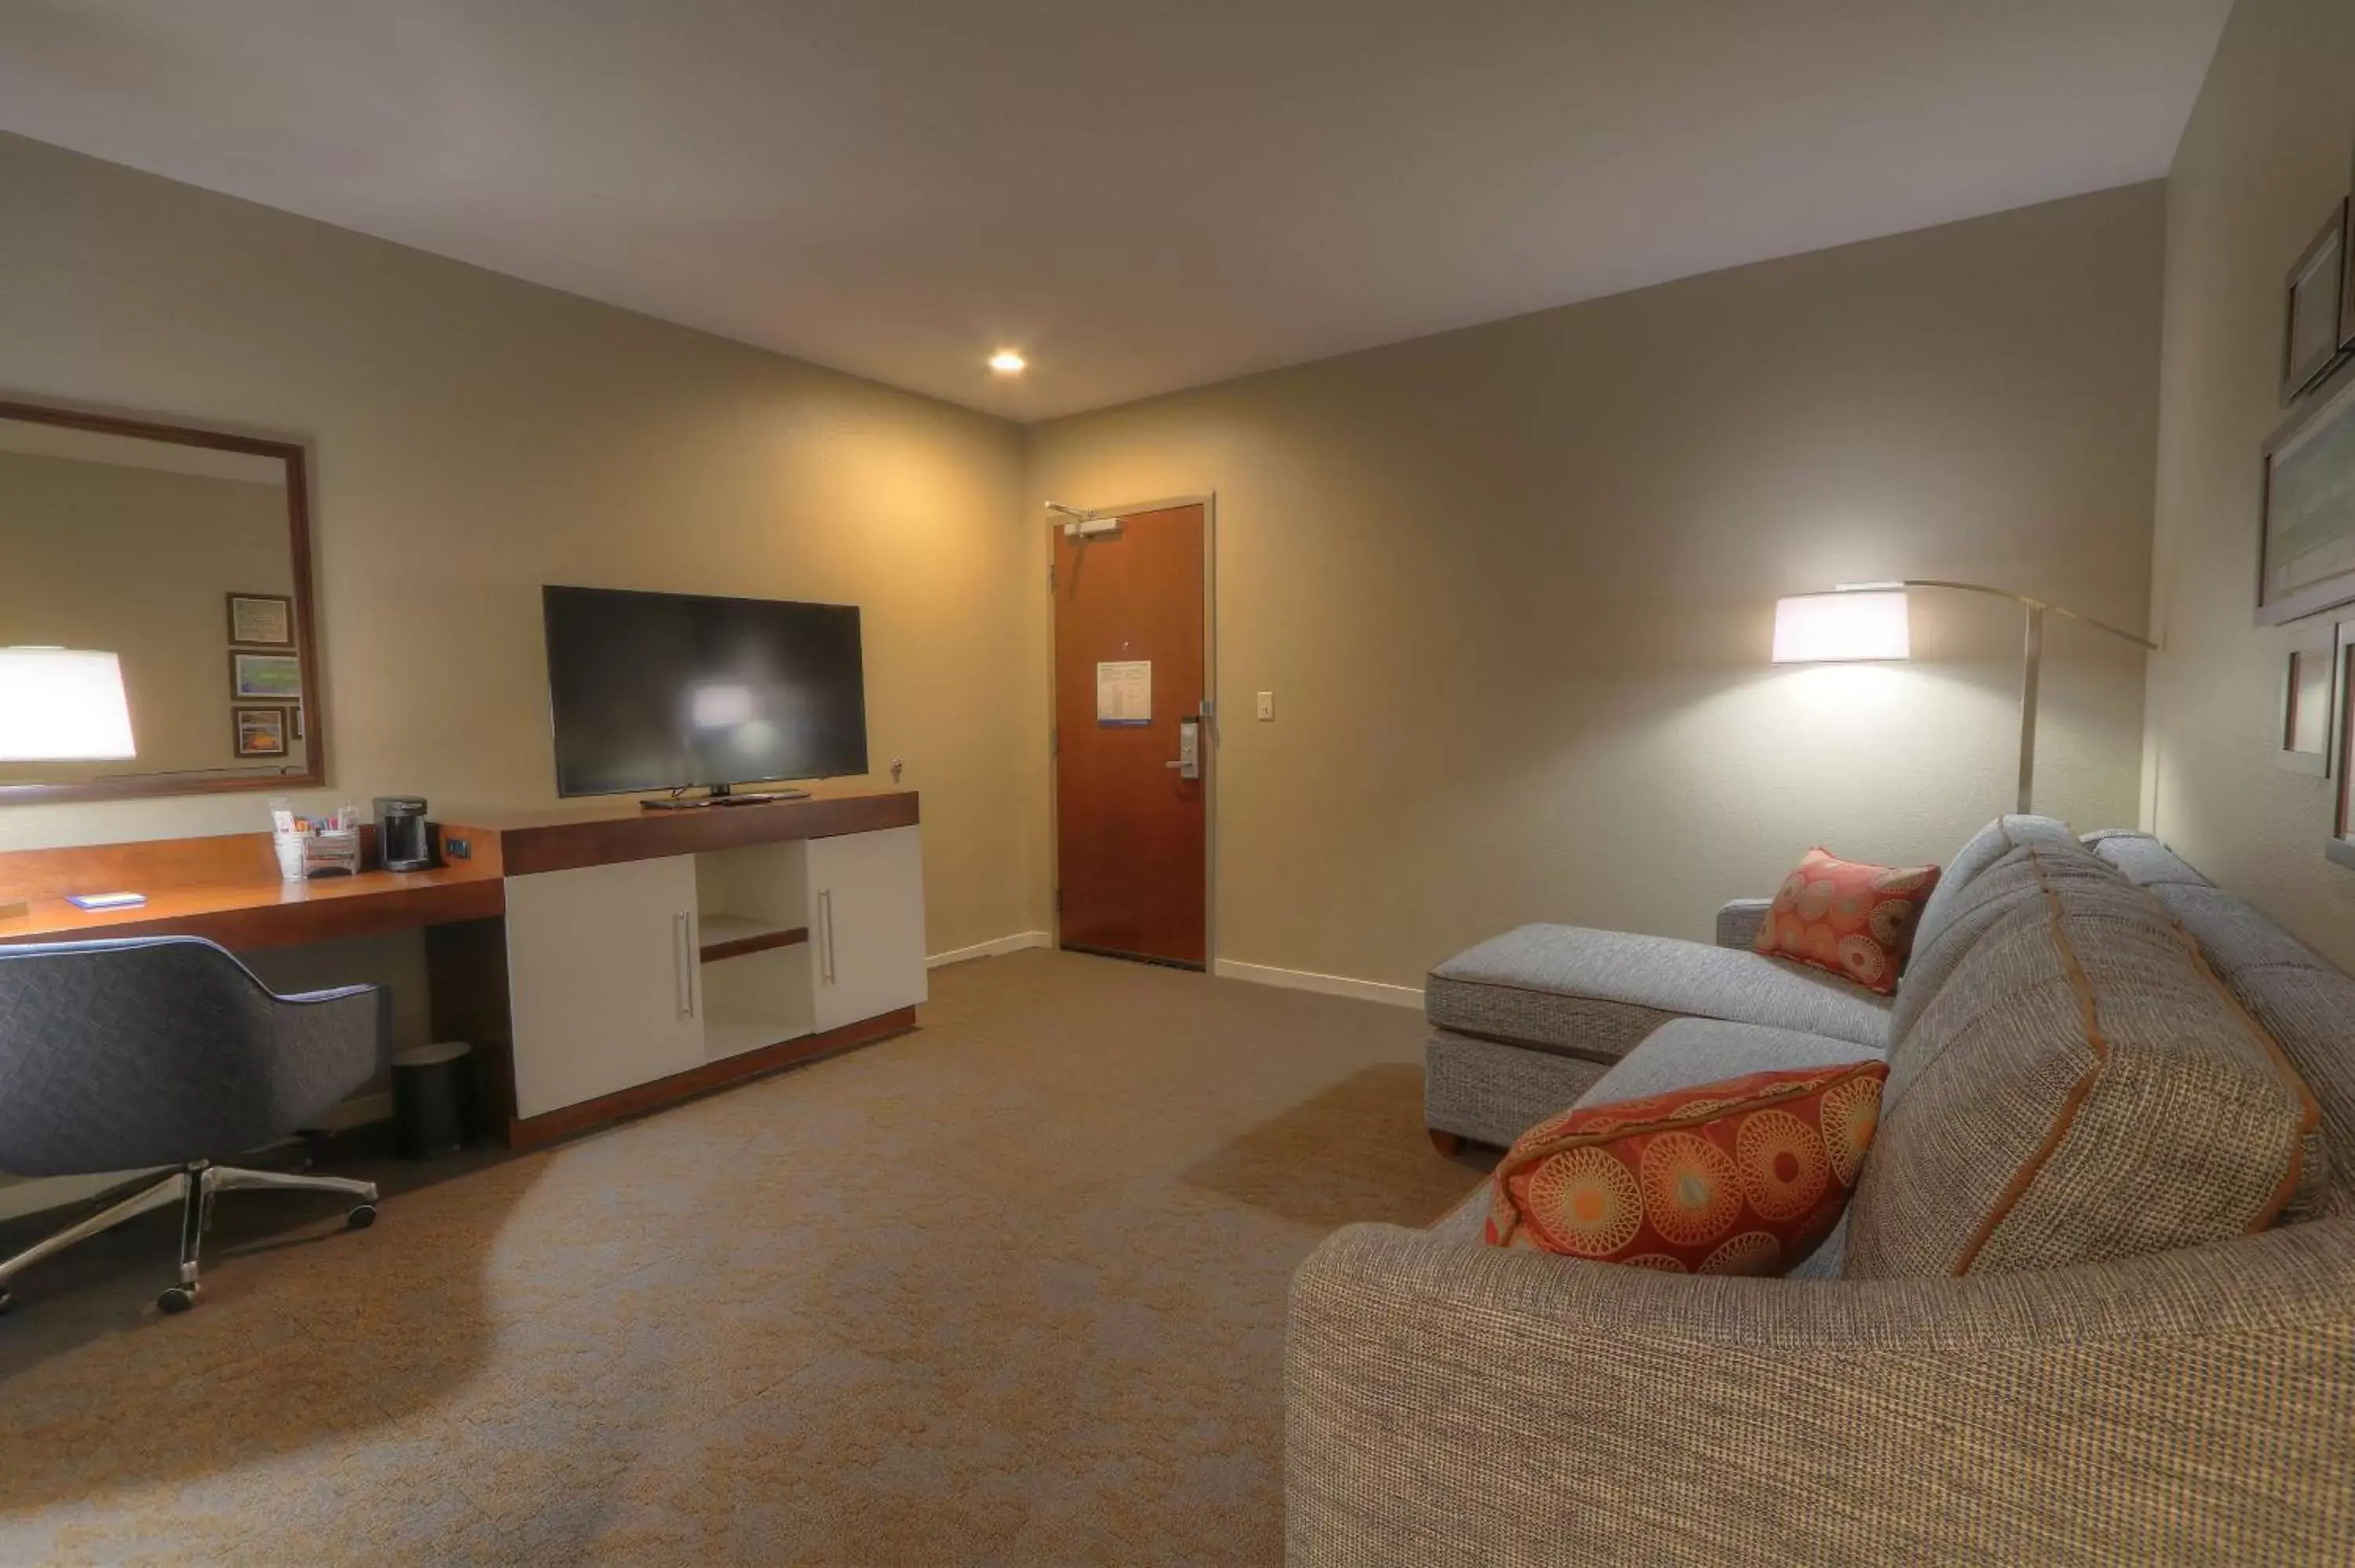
1454, 1402
1738, 921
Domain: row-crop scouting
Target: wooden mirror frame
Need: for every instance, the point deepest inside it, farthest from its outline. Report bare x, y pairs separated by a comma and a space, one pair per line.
306, 637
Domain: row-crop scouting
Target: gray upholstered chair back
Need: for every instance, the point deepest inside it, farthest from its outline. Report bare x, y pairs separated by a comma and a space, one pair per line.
165, 1050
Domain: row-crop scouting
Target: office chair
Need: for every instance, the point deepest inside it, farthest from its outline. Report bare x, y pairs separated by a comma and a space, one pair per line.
166, 1051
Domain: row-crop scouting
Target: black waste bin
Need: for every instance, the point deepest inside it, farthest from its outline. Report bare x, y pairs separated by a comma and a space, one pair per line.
432, 1098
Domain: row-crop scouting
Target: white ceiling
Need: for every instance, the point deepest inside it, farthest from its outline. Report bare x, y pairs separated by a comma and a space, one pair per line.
1141, 194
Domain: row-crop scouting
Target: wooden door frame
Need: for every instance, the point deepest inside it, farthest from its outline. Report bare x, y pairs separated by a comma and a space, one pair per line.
1209, 501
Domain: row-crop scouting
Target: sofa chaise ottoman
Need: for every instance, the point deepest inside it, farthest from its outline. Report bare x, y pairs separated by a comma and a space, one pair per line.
1451, 1400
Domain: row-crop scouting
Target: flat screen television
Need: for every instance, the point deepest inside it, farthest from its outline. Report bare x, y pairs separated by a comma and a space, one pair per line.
669, 691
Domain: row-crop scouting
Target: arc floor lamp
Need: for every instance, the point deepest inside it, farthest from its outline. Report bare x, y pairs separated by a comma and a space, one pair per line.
1856, 621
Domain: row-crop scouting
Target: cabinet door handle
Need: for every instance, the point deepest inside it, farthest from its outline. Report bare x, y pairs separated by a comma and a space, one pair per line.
826, 927
682, 961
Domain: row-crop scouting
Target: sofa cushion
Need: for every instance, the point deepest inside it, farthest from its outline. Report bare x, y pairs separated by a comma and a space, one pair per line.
2306, 1004
1688, 1051
2016, 878
2142, 859
1596, 993
1741, 1175
1986, 847
1492, 1093
2082, 1087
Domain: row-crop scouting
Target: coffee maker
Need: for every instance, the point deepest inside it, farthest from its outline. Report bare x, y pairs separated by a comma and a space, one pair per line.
402, 843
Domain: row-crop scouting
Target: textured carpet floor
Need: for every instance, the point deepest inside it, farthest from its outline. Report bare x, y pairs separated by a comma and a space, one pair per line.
1008, 1289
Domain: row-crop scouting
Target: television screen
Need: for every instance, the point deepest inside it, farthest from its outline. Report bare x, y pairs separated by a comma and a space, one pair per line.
664, 691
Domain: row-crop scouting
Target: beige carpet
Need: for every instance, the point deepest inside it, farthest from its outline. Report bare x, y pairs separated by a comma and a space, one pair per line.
1009, 1289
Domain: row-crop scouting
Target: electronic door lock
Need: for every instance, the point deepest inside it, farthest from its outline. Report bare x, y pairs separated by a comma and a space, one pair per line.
1189, 750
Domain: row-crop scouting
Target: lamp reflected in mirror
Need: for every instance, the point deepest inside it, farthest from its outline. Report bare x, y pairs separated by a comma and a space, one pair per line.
63, 704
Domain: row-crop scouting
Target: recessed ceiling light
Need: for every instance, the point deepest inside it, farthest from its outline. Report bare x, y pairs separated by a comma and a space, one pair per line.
1006, 362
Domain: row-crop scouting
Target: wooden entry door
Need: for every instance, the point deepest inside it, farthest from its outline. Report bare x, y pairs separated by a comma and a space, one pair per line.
1131, 829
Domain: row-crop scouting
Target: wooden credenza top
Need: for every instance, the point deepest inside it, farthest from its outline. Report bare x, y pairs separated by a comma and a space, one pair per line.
602, 832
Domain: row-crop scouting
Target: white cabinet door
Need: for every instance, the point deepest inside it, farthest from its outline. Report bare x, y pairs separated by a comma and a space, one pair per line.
867, 923
603, 980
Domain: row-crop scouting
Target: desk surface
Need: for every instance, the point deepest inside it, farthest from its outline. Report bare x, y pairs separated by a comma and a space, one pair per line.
274, 914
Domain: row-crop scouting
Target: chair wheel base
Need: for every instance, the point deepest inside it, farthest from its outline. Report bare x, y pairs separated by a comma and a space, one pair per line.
361, 1217
178, 1298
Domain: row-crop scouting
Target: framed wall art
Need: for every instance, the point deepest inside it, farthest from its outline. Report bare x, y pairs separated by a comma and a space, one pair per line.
2308, 684
2306, 552
2340, 845
2347, 274
2314, 316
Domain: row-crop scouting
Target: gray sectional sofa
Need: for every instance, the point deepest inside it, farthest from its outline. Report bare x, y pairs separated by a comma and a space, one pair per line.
1900, 1397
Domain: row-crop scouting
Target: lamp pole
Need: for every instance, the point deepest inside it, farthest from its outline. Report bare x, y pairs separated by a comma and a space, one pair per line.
2032, 669
2032, 657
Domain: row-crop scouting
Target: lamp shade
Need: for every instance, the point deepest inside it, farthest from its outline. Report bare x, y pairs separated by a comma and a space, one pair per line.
62, 704
1820, 628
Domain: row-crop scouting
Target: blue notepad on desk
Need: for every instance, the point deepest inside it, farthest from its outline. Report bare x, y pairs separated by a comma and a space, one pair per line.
106, 900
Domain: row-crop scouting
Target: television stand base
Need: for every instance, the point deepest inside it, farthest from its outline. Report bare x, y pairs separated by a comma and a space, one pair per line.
720, 797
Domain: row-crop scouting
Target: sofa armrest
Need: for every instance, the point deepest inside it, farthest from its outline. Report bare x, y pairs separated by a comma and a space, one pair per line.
1738, 921
1454, 1402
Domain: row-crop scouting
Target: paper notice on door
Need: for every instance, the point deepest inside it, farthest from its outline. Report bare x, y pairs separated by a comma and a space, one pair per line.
1125, 692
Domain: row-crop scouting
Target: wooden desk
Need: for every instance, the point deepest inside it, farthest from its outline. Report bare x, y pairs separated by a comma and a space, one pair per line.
228, 888
282, 915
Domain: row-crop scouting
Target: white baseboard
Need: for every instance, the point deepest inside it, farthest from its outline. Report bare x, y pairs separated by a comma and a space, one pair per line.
1331, 985
990, 950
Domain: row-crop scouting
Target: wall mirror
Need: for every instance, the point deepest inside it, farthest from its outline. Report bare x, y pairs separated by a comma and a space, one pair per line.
157, 633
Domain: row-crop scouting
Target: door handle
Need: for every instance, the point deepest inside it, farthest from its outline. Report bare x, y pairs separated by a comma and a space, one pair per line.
826, 933
684, 961
1189, 750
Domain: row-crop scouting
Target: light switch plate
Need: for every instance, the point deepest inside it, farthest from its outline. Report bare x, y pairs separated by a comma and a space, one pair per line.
1267, 707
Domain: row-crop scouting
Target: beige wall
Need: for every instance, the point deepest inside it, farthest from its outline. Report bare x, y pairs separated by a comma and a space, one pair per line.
1512, 585
2265, 156
475, 437
139, 562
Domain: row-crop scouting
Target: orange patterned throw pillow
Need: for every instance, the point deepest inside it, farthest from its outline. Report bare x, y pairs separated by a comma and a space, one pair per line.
1853, 919
1744, 1176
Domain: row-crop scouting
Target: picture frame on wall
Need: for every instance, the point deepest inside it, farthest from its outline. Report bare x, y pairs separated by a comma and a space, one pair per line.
262, 619
2305, 549
264, 677
2340, 845
2309, 689
2347, 274
2314, 317
260, 731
